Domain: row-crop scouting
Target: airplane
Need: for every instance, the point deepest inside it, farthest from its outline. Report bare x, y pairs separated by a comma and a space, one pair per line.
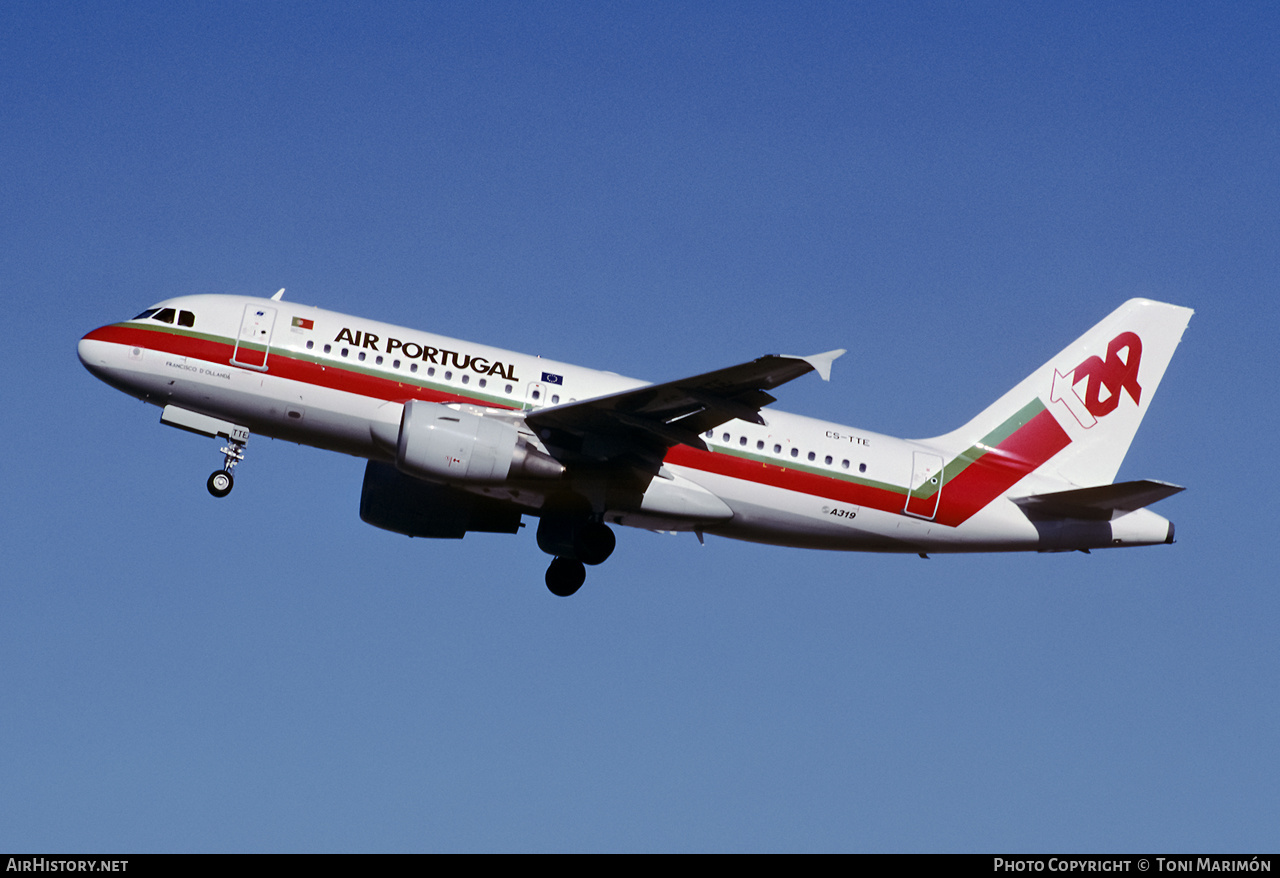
462, 437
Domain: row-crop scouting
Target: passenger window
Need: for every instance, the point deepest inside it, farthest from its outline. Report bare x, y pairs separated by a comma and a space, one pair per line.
344, 351
413, 367
795, 452
828, 460
844, 464
742, 440
507, 389
377, 361
862, 467
361, 357
759, 445
812, 455
466, 379
555, 399
483, 382
725, 437
395, 364
328, 348
777, 449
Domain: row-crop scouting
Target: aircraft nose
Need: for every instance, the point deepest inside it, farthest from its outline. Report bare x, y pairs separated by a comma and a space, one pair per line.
83, 351
93, 356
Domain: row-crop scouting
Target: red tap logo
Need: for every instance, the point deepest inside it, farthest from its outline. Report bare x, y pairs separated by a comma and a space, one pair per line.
1112, 375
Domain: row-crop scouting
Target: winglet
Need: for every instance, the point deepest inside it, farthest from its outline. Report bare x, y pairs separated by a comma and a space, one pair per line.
821, 363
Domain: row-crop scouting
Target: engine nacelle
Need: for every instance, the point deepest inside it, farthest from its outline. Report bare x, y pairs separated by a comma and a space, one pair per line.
396, 502
443, 444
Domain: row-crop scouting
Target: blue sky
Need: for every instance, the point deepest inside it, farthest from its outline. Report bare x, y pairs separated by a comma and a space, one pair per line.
952, 192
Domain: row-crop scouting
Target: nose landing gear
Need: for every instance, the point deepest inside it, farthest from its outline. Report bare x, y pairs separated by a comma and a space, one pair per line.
221, 481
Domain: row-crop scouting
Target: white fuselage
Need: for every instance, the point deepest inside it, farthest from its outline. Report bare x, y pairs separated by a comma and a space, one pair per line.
339, 382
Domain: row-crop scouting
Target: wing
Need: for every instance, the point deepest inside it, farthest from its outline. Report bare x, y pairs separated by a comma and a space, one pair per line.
648, 420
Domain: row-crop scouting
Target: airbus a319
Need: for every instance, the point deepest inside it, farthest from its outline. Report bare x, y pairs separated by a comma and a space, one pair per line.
462, 437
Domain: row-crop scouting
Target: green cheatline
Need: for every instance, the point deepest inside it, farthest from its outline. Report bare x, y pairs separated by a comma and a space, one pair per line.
373, 372
973, 453
957, 465
798, 466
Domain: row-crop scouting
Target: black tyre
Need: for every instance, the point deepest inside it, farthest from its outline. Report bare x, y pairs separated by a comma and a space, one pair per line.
594, 543
565, 576
220, 483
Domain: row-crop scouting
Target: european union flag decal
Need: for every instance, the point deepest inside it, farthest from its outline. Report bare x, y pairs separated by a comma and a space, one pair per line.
552, 379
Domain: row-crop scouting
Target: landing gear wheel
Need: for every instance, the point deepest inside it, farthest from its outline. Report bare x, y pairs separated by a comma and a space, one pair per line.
220, 483
565, 576
594, 543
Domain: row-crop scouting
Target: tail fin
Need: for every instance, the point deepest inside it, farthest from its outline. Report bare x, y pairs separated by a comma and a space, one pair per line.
1075, 416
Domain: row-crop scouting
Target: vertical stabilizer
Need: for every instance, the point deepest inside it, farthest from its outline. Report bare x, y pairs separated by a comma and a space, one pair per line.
1074, 417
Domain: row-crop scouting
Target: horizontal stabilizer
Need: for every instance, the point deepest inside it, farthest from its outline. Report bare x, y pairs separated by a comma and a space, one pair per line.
1099, 504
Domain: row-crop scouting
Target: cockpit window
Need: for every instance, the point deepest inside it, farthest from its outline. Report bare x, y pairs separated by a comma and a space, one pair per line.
167, 315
